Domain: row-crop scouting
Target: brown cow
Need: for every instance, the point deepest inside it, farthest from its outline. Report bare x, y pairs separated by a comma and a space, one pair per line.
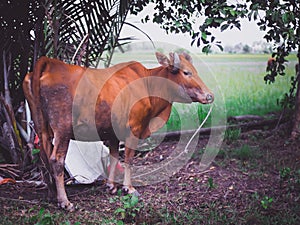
125, 102
271, 64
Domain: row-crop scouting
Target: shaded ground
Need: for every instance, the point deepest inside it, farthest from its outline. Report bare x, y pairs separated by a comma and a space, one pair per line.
255, 179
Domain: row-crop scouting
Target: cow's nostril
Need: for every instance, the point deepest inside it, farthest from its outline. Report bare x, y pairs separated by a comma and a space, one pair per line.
209, 98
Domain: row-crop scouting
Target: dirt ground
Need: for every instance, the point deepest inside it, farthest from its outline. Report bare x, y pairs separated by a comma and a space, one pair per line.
255, 179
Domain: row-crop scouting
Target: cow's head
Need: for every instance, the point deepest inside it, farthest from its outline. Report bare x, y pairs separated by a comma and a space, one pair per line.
182, 72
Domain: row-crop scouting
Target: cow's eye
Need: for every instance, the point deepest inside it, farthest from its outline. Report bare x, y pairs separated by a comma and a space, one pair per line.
187, 73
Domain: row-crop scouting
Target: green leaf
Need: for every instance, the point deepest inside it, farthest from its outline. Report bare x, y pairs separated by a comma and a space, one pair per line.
237, 25
147, 18
285, 18
203, 35
35, 151
198, 42
219, 20
255, 15
233, 12
134, 200
193, 41
224, 27
209, 21
119, 210
220, 47
120, 222
206, 49
263, 27
292, 16
212, 39
177, 24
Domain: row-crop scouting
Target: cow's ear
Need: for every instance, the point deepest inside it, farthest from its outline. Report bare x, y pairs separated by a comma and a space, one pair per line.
175, 60
187, 57
162, 59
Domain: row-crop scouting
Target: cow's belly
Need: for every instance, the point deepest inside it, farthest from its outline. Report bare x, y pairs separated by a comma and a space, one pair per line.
97, 123
95, 132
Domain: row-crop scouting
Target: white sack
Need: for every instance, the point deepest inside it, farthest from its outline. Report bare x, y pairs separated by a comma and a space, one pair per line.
87, 161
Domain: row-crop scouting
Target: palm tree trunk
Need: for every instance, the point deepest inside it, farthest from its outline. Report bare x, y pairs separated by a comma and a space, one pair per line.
10, 138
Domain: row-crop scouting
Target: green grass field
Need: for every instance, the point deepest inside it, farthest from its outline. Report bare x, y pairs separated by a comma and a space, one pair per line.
237, 81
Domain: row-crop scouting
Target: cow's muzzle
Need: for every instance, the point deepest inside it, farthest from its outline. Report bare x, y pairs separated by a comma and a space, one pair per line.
205, 98
209, 98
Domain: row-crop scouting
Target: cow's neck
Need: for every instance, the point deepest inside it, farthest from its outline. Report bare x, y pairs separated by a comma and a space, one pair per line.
160, 94
159, 85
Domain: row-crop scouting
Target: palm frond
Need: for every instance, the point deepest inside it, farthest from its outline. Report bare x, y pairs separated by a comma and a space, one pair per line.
140, 30
80, 31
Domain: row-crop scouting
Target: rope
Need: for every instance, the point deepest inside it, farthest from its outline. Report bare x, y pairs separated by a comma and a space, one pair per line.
197, 131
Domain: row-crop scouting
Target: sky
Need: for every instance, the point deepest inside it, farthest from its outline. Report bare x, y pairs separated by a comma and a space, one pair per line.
249, 32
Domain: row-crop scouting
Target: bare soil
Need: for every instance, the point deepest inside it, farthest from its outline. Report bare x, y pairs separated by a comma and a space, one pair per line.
255, 179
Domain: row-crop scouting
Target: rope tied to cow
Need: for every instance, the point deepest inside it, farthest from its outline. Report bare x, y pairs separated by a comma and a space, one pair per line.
198, 129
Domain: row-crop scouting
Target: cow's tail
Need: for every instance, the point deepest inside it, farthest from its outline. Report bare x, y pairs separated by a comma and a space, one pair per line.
38, 116
31, 83
37, 73
31, 87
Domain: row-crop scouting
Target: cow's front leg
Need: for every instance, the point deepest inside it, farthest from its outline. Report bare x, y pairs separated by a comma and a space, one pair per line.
114, 159
130, 146
57, 161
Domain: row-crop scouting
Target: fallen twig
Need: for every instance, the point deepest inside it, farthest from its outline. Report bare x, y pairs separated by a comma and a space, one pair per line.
20, 200
246, 126
9, 169
244, 117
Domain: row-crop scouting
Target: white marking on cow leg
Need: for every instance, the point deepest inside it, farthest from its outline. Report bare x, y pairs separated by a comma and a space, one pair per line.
129, 154
112, 172
57, 161
127, 176
114, 159
62, 198
127, 186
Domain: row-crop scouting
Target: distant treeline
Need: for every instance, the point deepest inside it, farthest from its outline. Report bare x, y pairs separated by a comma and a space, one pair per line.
255, 47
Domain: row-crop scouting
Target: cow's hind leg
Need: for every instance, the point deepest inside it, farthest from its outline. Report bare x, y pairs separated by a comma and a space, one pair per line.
57, 161
45, 155
114, 159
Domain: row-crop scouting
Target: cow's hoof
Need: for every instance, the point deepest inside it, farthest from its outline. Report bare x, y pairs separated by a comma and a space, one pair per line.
112, 189
132, 191
67, 206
